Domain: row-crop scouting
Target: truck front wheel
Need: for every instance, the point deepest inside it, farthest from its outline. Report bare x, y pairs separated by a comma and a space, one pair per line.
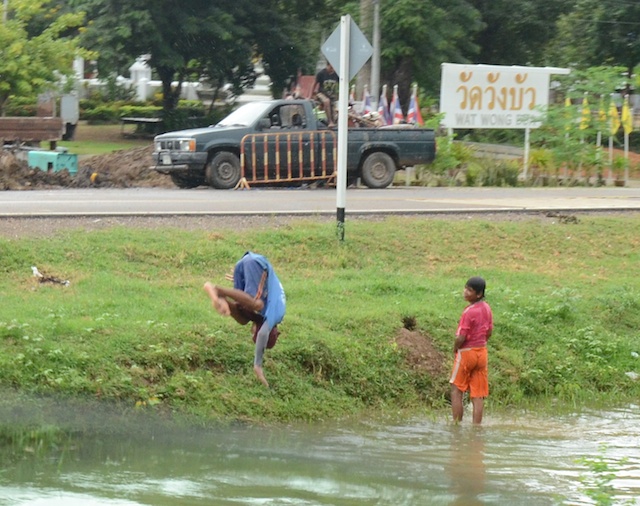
223, 170
378, 170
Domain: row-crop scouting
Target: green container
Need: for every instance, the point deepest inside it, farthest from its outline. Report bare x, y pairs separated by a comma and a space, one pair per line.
53, 161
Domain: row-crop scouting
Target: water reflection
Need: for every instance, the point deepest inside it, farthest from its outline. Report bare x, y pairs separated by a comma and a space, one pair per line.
467, 468
135, 461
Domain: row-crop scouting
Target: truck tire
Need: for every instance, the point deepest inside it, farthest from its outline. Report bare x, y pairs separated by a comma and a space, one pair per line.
186, 180
223, 170
378, 170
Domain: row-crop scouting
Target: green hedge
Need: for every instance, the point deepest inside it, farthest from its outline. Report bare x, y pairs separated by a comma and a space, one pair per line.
21, 107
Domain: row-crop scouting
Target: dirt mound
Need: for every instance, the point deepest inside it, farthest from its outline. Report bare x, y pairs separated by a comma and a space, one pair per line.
120, 169
15, 174
125, 168
421, 354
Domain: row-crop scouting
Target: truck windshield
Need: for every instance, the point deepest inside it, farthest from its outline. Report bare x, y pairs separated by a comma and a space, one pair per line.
245, 115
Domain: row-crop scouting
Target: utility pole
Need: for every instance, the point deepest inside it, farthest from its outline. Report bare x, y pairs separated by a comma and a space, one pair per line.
364, 76
375, 59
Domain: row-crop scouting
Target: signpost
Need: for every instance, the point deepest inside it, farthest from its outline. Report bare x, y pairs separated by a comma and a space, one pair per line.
347, 50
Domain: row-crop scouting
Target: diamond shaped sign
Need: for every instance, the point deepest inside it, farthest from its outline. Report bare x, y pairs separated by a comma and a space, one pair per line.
359, 49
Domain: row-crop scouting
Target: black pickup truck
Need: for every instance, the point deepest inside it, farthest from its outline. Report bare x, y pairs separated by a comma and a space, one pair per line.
282, 142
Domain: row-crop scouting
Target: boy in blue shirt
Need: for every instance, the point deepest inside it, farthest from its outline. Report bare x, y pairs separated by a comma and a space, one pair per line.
257, 296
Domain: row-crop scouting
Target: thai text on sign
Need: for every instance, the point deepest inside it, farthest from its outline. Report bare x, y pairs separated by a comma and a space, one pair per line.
494, 96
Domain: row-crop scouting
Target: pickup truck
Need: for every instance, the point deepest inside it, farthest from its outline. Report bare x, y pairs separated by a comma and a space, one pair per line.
283, 142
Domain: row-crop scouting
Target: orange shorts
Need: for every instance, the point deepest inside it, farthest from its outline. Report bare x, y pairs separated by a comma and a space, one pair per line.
470, 371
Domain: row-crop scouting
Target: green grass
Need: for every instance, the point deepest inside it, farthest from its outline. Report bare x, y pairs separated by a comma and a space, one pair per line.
101, 139
135, 326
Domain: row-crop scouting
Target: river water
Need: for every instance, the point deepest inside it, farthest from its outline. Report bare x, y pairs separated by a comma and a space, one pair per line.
510, 460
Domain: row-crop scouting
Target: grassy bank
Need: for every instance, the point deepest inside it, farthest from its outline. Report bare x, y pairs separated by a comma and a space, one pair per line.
134, 324
101, 139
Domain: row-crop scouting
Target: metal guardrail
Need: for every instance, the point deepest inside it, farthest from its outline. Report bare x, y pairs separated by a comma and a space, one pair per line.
288, 156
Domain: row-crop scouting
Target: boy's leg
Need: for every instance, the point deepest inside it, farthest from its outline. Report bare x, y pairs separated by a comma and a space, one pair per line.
478, 409
219, 295
238, 313
456, 403
479, 385
241, 298
219, 303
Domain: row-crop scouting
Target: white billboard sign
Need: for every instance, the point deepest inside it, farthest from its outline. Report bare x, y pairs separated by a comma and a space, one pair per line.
494, 96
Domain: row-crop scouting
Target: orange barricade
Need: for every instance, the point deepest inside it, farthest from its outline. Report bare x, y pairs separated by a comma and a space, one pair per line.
288, 156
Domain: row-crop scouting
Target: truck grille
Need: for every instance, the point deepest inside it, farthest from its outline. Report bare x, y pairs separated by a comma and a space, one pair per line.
170, 145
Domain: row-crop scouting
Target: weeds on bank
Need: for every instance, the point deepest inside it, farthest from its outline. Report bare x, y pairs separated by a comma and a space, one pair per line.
135, 326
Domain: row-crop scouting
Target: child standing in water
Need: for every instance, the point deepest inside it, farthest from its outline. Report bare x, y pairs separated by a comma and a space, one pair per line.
470, 349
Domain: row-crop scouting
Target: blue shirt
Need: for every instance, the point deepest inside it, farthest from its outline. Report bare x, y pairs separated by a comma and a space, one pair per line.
246, 277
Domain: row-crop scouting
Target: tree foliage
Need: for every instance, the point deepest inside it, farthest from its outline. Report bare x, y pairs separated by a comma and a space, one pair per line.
418, 35
36, 47
516, 32
598, 32
218, 41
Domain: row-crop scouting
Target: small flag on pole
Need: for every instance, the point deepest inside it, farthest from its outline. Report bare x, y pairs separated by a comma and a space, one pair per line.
602, 114
586, 114
367, 108
396, 108
413, 114
627, 121
614, 118
383, 107
567, 114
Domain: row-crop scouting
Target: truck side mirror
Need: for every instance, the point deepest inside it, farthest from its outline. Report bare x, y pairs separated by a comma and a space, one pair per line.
264, 124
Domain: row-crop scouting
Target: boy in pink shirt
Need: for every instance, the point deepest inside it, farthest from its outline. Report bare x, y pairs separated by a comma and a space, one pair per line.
470, 349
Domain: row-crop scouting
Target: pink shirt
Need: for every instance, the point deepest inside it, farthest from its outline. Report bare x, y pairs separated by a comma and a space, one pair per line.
476, 323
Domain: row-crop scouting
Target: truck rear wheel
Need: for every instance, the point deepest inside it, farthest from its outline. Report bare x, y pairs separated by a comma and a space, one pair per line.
186, 180
223, 170
378, 170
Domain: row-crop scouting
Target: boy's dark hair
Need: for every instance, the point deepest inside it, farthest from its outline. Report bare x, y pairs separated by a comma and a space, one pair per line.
477, 284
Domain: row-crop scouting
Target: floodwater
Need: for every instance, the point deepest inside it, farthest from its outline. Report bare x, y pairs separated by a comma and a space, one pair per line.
520, 459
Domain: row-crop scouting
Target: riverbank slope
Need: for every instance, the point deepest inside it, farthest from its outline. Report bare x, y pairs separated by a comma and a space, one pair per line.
369, 326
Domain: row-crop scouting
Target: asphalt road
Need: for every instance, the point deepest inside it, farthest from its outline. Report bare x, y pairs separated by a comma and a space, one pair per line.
205, 201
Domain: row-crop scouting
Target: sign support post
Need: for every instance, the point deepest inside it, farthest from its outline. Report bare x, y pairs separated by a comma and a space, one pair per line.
343, 105
347, 49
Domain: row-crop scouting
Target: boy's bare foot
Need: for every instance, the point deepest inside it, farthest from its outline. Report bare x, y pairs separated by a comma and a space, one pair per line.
220, 304
258, 370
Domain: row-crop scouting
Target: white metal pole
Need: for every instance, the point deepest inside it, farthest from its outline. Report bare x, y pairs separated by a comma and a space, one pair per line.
626, 155
526, 154
343, 104
611, 158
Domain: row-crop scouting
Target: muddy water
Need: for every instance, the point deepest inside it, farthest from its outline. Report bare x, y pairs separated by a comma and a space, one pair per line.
519, 459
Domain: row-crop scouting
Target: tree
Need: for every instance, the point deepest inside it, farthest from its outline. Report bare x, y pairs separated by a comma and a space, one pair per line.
218, 40
618, 34
418, 35
516, 32
598, 32
33, 60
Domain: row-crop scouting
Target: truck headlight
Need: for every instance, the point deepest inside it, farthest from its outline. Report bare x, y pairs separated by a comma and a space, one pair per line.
187, 145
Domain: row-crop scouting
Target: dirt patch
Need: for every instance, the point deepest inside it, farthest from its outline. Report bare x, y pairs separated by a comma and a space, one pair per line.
123, 169
119, 169
420, 353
